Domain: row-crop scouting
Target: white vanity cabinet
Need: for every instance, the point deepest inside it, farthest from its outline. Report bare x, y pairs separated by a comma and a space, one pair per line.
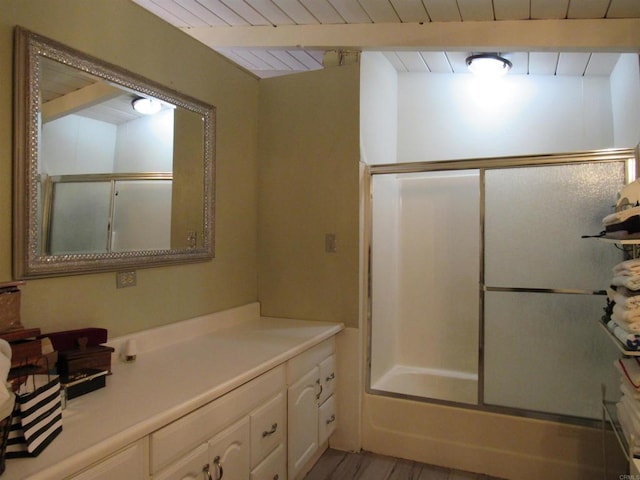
229, 401
229, 429
311, 405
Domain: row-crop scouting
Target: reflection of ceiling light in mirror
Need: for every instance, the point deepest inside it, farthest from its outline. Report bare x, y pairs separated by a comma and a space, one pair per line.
146, 106
488, 65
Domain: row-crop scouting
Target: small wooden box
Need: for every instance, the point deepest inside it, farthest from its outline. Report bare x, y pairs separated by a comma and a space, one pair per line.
81, 359
25, 352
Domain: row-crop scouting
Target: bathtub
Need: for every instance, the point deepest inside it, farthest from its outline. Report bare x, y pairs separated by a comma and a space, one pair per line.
429, 383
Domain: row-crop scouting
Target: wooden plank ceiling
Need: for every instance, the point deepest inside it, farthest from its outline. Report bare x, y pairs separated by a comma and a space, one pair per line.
228, 26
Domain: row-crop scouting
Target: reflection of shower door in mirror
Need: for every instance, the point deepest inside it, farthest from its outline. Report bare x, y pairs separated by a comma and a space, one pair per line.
426, 241
79, 219
483, 291
96, 214
142, 215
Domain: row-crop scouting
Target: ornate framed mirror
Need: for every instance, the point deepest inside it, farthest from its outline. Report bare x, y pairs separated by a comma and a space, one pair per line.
98, 184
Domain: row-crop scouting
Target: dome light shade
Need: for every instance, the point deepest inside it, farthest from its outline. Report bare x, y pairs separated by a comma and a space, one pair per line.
146, 106
488, 65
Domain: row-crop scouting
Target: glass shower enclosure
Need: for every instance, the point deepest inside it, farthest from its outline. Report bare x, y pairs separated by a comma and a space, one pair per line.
482, 291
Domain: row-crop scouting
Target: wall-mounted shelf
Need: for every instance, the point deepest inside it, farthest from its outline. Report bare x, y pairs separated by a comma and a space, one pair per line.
610, 416
631, 247
630, 241
618, 343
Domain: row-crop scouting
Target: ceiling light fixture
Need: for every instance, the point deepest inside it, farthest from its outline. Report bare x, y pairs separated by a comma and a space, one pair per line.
488, 65
146, 106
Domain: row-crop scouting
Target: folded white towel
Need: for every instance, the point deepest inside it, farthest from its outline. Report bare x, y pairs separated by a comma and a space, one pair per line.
626, 389
630, 340
623, 300
621, 216
628, 265
630, 370
627, 314
632, 282
630, 327
633, 408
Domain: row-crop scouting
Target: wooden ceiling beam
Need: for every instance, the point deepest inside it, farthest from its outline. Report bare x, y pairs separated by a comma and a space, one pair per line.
78, 100
607, 35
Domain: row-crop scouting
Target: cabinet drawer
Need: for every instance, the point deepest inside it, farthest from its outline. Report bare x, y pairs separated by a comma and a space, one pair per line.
326, 420
129, 463
274, 467
178, 438
327, 378
267, 428
190, 467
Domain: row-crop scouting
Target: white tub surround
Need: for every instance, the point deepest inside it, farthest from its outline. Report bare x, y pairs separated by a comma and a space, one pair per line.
178, 369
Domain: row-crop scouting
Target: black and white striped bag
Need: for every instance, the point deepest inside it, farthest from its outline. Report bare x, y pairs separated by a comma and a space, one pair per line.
37, 418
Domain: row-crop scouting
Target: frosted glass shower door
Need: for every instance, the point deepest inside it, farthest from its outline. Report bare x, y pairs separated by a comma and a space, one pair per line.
425, 282
543, 350
79, 218
142, 215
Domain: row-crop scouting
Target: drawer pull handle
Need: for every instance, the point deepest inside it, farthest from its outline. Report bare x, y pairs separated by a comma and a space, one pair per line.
207, 472
332, 419
320, 392
218, 464
276, 477
273, 430
331, 377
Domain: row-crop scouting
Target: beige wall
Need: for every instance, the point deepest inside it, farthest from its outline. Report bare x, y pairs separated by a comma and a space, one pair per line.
122, 33
308, 186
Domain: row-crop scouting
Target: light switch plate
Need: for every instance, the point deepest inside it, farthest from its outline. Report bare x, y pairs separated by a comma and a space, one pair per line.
330, 245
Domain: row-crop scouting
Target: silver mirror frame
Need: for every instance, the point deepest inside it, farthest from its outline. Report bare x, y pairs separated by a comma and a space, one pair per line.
27, 260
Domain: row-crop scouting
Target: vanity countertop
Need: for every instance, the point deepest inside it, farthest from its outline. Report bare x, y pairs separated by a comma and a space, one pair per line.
164, 384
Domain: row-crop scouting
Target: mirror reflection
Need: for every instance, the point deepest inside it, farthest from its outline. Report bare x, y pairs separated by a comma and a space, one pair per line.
92, 133
121, 173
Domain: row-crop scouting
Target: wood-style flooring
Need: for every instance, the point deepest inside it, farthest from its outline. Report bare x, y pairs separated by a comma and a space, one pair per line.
337, 465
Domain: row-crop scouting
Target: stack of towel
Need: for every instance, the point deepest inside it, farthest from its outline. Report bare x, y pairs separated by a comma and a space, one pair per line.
625, 221
628, 408
622, 313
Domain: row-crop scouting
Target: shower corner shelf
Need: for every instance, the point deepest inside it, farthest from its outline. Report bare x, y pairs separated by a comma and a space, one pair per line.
620, 241
627, 445
618, 343
609, 415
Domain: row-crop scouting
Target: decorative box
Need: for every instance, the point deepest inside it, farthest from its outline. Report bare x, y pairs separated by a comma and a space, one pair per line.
77, 384
26, 348
85, 359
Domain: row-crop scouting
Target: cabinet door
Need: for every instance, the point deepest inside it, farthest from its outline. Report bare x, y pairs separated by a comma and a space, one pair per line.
129, 463
191, 467
327, 378
326, 419
274, 467
229, 452
303, 420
